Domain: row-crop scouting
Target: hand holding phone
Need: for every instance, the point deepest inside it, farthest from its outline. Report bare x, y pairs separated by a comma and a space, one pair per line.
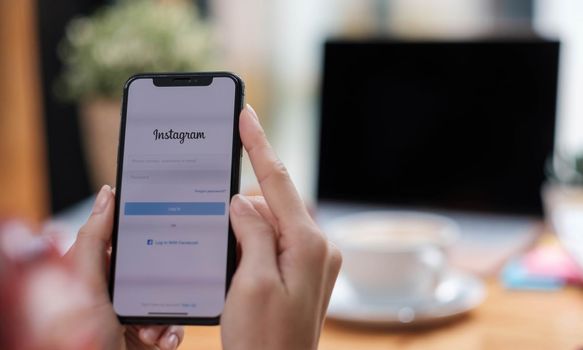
279, 293
287, 270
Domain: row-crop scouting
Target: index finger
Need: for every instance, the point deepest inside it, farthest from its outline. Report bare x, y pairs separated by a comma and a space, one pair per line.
274, 180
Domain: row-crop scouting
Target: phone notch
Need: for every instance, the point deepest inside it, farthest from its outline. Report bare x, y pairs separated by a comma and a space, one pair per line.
183, 80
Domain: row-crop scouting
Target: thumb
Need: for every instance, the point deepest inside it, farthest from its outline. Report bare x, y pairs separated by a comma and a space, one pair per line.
256, 238
89, 252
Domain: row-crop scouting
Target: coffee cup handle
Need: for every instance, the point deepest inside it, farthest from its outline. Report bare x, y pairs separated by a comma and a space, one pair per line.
435, 257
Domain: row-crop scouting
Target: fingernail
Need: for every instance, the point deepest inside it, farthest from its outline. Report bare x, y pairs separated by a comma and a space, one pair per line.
241, 205
252, 111
149, 335
102, 200
173, 341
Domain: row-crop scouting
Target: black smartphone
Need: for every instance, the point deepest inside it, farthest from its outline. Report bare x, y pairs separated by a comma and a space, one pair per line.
173, 249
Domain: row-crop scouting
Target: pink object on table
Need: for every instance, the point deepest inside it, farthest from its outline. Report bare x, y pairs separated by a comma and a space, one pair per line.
553, 261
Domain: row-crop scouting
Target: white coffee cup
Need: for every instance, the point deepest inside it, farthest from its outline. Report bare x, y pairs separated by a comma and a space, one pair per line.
394, 256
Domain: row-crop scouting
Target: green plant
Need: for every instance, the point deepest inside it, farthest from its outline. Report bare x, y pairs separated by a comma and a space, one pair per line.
101, 51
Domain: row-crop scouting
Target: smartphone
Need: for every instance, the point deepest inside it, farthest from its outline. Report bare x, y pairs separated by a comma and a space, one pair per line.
173, 249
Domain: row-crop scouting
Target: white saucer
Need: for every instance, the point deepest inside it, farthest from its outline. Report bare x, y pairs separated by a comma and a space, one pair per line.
457, 294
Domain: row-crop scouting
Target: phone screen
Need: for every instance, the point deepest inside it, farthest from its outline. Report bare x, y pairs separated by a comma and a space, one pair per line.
173, 217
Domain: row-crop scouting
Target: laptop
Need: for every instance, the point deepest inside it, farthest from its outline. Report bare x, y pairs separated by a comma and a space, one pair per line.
460, 128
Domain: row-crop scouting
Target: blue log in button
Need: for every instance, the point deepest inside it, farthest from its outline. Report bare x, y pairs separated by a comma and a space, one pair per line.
174, 208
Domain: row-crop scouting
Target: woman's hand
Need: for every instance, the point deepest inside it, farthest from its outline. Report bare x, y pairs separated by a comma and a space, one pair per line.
281, 289
89, 256
50, 302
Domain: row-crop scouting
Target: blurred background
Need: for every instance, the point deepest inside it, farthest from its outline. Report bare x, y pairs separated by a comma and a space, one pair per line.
63, 64
277, 47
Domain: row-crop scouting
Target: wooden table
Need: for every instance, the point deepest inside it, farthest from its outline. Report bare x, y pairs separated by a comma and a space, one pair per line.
506, 320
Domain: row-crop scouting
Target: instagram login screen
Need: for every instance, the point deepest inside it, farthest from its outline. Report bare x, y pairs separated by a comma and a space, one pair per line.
173, 215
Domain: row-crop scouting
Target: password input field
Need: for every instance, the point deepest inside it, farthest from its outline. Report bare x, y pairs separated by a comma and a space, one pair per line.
177, 177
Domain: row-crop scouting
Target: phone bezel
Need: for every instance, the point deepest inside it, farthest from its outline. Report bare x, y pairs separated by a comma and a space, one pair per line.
235, 182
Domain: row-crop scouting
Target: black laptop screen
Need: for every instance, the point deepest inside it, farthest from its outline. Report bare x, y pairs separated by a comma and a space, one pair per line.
454, 125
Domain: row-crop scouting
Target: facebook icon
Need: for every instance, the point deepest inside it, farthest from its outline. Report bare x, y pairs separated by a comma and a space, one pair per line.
150, 242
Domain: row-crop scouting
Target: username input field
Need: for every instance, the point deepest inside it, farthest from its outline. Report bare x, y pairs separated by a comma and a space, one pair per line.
177, 161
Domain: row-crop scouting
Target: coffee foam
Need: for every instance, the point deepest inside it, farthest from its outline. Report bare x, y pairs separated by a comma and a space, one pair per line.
390, 233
